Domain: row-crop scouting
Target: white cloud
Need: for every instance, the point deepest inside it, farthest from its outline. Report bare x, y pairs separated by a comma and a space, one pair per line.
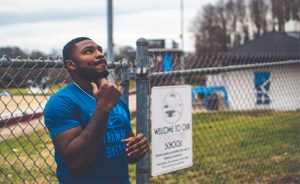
44, 25
49, 35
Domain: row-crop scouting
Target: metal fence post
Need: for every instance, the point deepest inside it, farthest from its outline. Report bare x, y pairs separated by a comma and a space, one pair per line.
142, 105
125, 75
182, 66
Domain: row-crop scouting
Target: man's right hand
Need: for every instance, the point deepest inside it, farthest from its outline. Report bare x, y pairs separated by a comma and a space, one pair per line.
107, 95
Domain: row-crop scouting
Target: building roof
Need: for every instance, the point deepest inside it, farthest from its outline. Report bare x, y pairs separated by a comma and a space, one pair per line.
269, 43
270, 47
295, 34
161, 50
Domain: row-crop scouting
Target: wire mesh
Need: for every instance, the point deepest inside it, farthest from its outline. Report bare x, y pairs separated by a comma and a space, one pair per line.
26, 149
245, 116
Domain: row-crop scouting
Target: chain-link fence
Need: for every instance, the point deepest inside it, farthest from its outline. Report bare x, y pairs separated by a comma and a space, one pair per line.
245, 115
26, 150
25, 146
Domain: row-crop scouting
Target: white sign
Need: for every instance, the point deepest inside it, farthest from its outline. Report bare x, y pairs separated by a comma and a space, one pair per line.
171, 129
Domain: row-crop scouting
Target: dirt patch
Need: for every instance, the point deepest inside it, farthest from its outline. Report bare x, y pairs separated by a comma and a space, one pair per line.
17, 130
277, 158
19, 103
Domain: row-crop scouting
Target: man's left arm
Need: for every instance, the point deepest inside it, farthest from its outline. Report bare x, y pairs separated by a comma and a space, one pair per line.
136, 147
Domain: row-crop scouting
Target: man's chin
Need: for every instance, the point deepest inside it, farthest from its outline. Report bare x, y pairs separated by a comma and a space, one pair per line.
104, 74
101, 75
95, 76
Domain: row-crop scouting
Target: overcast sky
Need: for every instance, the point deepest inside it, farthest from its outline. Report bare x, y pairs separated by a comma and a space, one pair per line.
48, 24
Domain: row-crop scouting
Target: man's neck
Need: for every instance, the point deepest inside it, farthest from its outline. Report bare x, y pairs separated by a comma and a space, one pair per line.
85, 85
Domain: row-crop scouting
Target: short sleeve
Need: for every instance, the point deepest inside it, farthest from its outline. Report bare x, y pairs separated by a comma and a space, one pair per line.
60, 114
124, 105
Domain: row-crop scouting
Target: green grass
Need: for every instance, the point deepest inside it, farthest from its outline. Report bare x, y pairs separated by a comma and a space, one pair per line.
131, 84
52, 89
228, 147
23, 91
28, 159
243, 147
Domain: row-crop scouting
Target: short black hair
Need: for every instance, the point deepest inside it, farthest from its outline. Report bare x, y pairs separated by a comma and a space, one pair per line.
69, 47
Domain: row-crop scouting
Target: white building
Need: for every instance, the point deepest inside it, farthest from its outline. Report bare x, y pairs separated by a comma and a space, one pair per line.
264, 74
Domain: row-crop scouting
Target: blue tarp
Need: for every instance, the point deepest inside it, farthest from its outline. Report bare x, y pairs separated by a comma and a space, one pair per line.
167, 63
209, 90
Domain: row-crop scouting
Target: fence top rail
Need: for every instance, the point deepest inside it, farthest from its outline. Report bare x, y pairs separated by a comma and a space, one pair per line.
223, 69
6, 62
18, 62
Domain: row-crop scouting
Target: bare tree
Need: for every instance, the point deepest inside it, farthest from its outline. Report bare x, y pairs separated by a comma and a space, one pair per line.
258, 13
291, 9
209, 28
220, 27
227, 24
235, 15
278, 14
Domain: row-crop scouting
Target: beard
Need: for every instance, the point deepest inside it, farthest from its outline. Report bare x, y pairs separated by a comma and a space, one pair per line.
91, 74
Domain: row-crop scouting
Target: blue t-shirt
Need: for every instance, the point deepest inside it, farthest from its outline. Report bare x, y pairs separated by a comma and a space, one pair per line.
71, 107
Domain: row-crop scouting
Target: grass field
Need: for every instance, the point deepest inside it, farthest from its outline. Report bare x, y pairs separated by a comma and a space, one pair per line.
24, 91
243, 147
28, 159
53, 89
228, 147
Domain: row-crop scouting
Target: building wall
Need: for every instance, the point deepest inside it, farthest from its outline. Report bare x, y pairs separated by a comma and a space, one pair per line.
284, 90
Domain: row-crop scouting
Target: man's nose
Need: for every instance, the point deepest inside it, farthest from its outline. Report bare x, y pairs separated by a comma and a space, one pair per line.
99, 54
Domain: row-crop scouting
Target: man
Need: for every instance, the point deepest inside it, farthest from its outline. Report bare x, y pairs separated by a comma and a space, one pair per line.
89, 122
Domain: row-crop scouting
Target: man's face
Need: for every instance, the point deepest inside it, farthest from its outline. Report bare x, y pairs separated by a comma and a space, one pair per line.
90, 60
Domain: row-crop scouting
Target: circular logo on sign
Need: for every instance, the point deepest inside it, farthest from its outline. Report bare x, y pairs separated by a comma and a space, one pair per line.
172, 107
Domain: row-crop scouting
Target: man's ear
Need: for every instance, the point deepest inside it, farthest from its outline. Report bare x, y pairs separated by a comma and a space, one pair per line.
71, 65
